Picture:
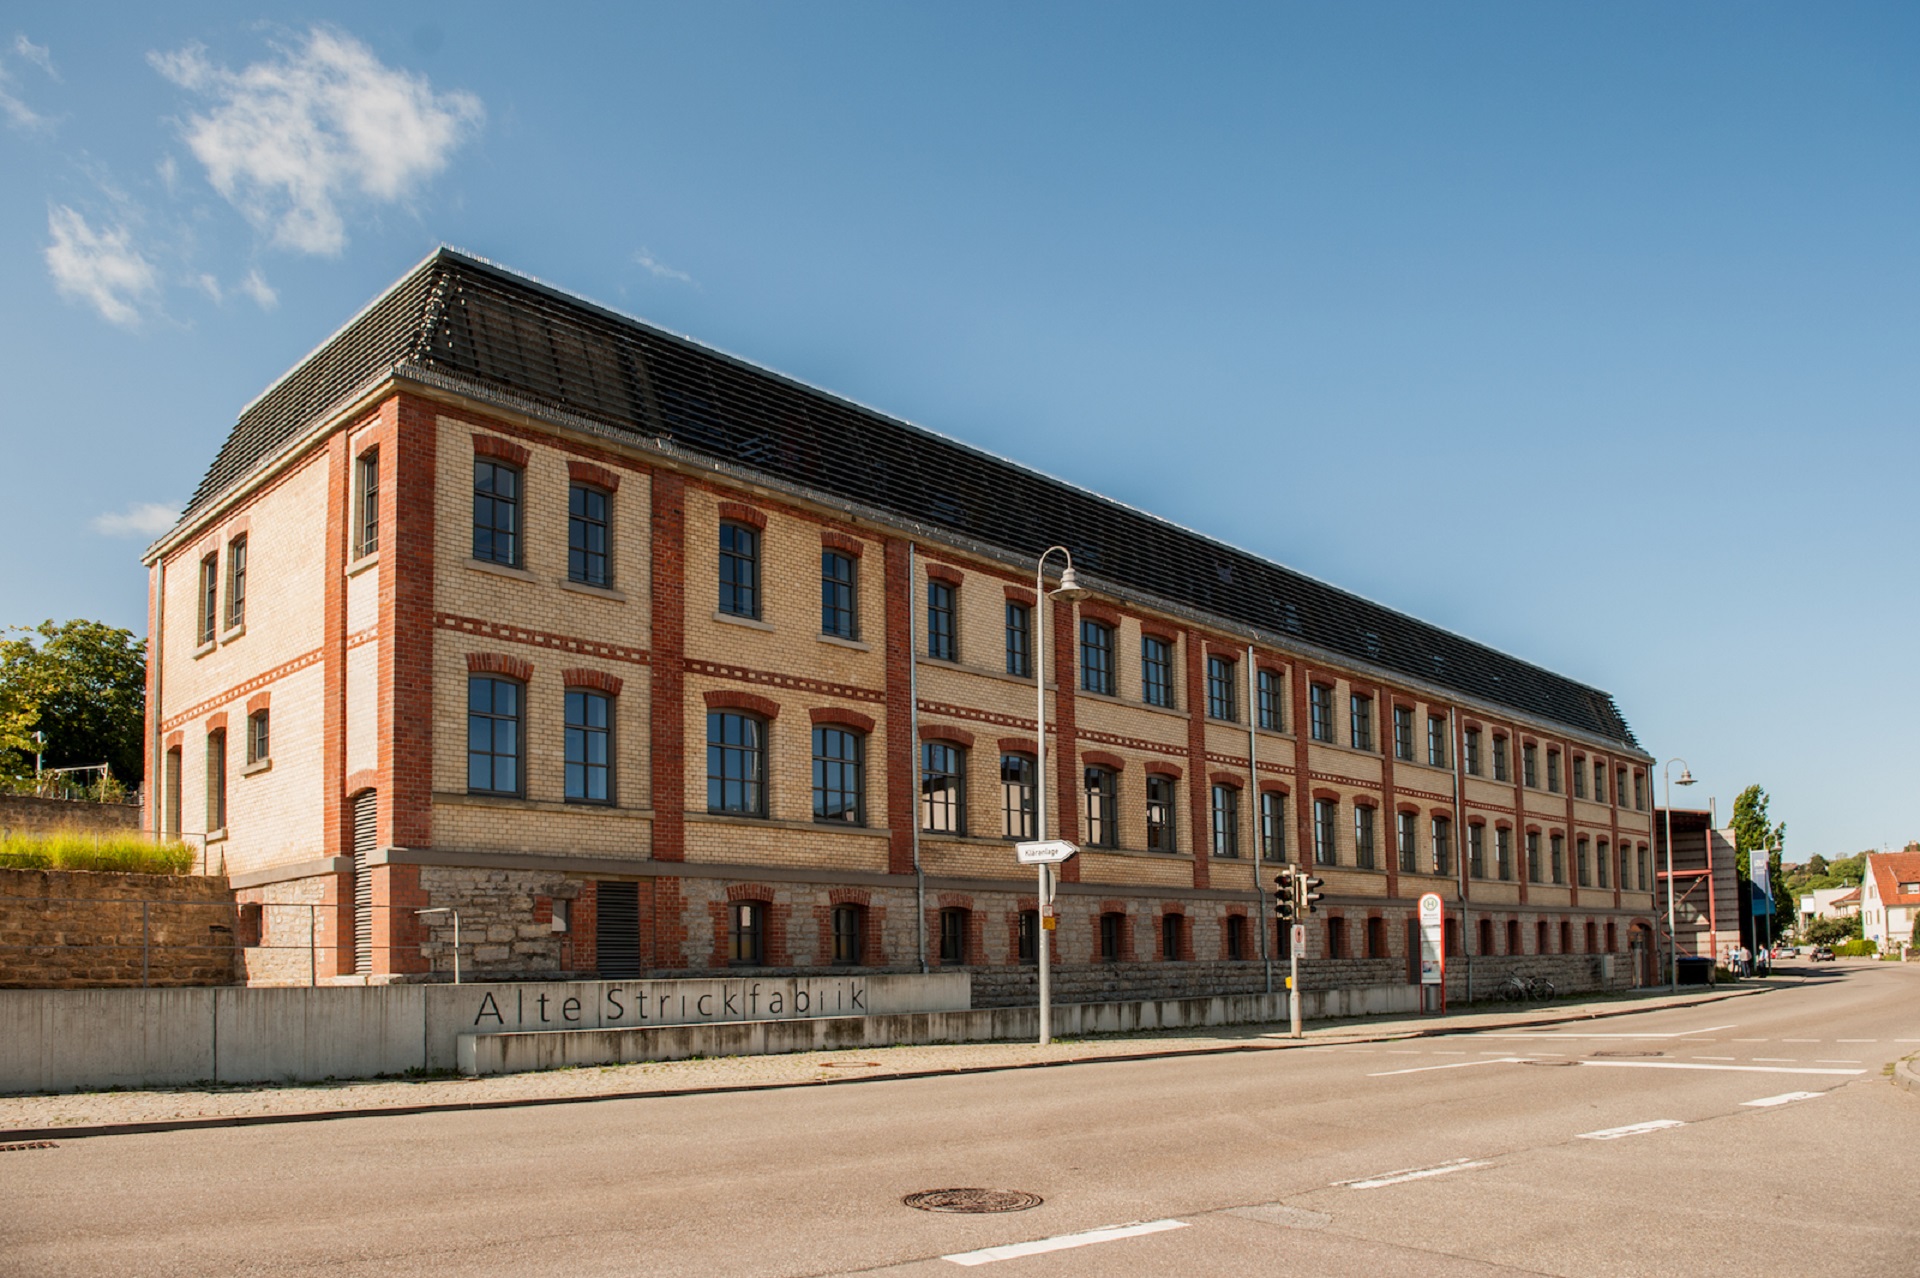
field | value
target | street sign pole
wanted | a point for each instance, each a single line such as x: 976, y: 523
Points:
x: 1040, y: 940
x: 1293, y: 982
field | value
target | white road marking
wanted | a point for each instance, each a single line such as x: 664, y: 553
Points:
x: 1402, y: 1051
x: 1716, y: 1058
x: 1751, y: 1040
x: 1684, y: 1034
x: 1779, y: 1060
x: 1413, y: 1173
x: 1800, y: 1040
x: 1907, y: 1040
x: 1784, y: 1098
x: 1422, y: 1069
x: 1856, y: 1040
x: 1449, y: 1053
x: 1835, y: 1061
x: 1738, y: 1069
x: 1637, y: 1129
x: 1064, y: 1242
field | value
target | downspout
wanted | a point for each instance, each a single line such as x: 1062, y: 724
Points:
x: 1457, y: 838
x: 1253, y: 789
x: 913, y: 754
x: 156, y: 768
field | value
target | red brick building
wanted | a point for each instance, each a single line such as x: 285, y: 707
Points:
x: 645, y: 659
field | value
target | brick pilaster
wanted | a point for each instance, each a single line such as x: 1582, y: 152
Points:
x: 669, y: 645
x: 901, y: 751
x: 406, y: 629
x: 1199, y: 796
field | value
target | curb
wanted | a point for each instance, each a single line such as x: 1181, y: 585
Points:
x: 1903, y: 1075
x: 1332, y: 1039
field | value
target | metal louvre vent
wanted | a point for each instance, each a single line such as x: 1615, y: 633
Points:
x: 364, y: 809
x: 617, y: 930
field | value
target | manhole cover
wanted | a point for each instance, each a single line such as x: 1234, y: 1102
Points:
x: 30, y: 1144
x: 972, y: 1201
x: 1625, y: 1053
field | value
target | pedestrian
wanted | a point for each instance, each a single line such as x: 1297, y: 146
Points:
x: 1746, y: 961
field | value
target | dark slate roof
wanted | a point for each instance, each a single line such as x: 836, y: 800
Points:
x: 471, y: 322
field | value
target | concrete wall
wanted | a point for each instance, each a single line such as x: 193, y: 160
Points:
x: 24, y: 813
x: 72, y: 929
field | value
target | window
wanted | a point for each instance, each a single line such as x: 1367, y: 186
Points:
x: 1540, y: 935
x: 367, y: 525
x: 1096, y: 657
x: 1442, y: 845
x: 1593, y: 938
x: 1336, y: 937
x: 587, y: 751
x: 1320, y: 711
x: 1530, y: 765
x: 1513, y: 936
x: 496, y: 513
x: 1016, y: 796
x: 943, y: 790
x: 587, y: 547
x: 1620, y: 787
x: 1236, y: 937
x: 953, y: 936
x: 1436, y: 741
x: 849, y: 935
x: 837, y: 616
x: 171, y: 821
x: 1566, y: 937
x: 1603, y: 858
x: 216, y: 780
x: 1171, y: 928
x: 1645, y: 879
x: 1220, y: 700
x: 1159, y: 813
x: 736, y: 763
x: 1472, y: 751
x: 1501, y: 770
x: 493, y: 735
x: 1273, y: 701
x: 1503, y: 853
x: 1640, y: 791
x: 1326, y: 848
x: 1273, y: 826
x: 1403, y: 733
x: 739, y: 570
x: 1112, y: 936
x: 1103, y: 828
x: 1027, y: 940
x: 1599, y: 781
x: 943, y: 641
x: 1363, y: 825
x: 1477, y: 851
x: 1579, y: 777
x: 1376, y: 938
x: 1360, y: 716
x: 1226, y: 821
x: 209, y: 597
x: 1409, y: 831
x: 1613, y: 940
x: 1582, y: 862
x: 1557, y: 857
x: 839, y: 776
x: 1553, y: 771
x: 747, y: 940
x: 257, y: 739
x: 1019, y: 639
x: 1486, y: 936
x: 237, y: 582
x: 1156, y: 671
x: 1533, y: 856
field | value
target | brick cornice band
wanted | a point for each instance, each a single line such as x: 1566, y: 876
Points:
x: 739, y: 513
x: 941, y: 732
x: 731, y: 700
x: 501, y: 450
x: 501, y: 664
x: 597, y: 679
x: 1161, y: 768
x: 942, y: 572
x: 1103, y: 759
x: 852, y: 547
x: 841, y: 718
x: 581, y: 472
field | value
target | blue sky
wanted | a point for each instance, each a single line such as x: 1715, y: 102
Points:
x: 1587, y: 331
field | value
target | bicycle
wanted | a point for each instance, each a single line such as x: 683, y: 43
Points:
x: 1525, y: 989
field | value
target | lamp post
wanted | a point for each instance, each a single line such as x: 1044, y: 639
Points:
x: 1673, y: 936
x: 1068, y: 590
x: 447, y: 909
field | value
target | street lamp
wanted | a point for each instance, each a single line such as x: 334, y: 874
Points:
x: 447, y: 909
x: 1069, y: 590
x: 1673, y: 936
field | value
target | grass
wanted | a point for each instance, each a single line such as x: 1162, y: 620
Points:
x: 123, y: 853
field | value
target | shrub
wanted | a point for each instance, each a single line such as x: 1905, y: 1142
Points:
x: 124, y: 853
x: 1856, y: 949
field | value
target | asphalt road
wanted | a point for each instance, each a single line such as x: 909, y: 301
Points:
x: 1630, y: 1145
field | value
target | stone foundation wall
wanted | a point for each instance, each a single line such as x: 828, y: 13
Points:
x: 82, y: 929
x: 20, y: 812
x: 283, y: 934
x: 1570, y: 973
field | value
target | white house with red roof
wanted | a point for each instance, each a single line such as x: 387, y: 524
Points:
x: 1890, y: 898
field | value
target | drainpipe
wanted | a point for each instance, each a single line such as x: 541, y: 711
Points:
x: 1458, y: 839
x: 1253, y: 789
x: 913, y: 736
x: 156, y: 766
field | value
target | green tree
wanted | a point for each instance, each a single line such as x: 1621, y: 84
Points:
x: 1754, y: 831
x: 1815, y: 867
x: 1833, y: 931
x: 81, y: 683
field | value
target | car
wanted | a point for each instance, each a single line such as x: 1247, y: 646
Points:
x: 1821, y: 954
x: 1786, y: 951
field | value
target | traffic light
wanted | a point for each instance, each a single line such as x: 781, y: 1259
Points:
x: 1308, y: 899
x: 1283, y: 903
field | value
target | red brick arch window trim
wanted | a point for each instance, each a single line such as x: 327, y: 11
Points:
x: 1161, y: 768
x: 942, y: 572
x: 849, y: 546
x: 1321, y: 792
x: 1532, y: 828
x: 1100, y: 613
x: 941, y: 732
x: 1232, y: 652
x: 750, y: 892
x: 841, y: 718
x: 499, y: 663
x: 581, y: 472
x: 1226, y: 779
x: 849, y: 896
x: 217, y: 722
x: 1019, y: 745
x: 598, y: 680
x: 739, y: 513
x: 1502, y: 824
x: 1102, y: 759
x: 1154, y: 630
x: 258, y: 702
x: 1019, y: 595
x: 1275, y: 787
x: 1441, y: 812
x: 730, y: 700
x: 501, y: 450
x: 175, y: 740
x: 1408, y: 807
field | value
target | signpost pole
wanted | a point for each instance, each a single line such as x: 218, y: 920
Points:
x: 1040, y: 940
x: 1293, y: 980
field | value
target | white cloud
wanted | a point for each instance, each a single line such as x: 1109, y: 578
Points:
x: 210, y: 286
x: 139, y: 519
x: 38, y: 54
x: 290, y: 139
x: 660, y: 270
x: 12, y: 105
x: 101, y: 268
x: 256, y: 287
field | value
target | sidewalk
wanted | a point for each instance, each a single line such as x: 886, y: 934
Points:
x: 78, y: 1114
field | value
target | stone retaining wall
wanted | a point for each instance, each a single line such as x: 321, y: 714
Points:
x: 1128, y: 982
x: 21, y: 812
x: 73, y: 929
